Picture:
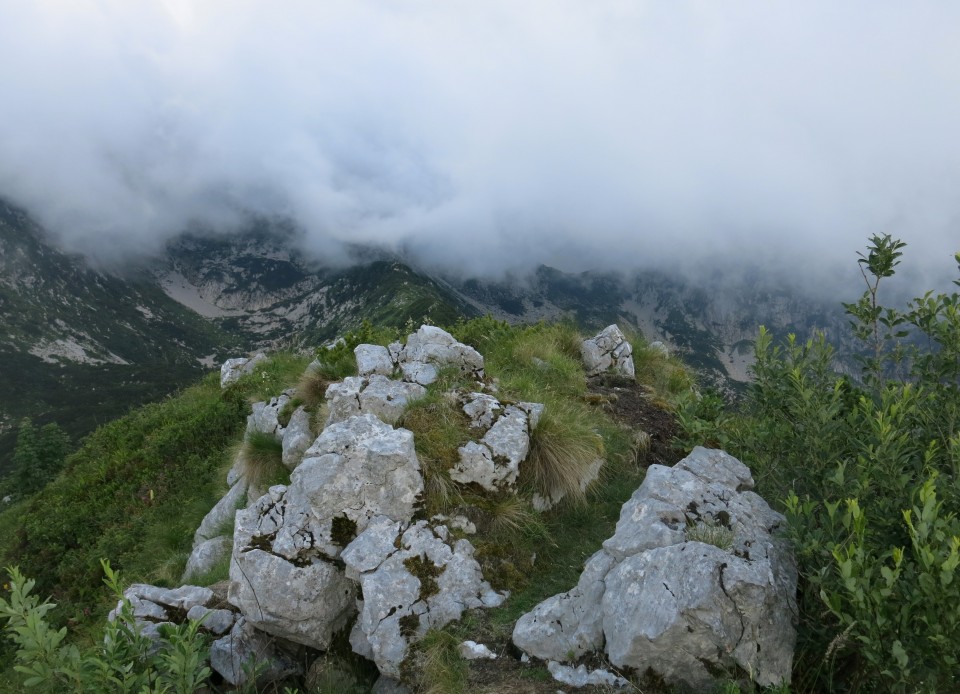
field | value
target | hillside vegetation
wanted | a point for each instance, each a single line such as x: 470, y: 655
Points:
x: 866, y: 471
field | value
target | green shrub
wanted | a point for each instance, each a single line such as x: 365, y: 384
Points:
x: 868, y: 476
x: 122, y: 659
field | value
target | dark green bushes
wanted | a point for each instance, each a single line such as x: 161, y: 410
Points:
x: 868, y: 476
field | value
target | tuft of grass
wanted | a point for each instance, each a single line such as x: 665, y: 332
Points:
x: 665, y: 375
x: 563, y: 449
x: 710, y: 533
x: 437, y: 664
x: 262, y: 461
x: 439, y: 428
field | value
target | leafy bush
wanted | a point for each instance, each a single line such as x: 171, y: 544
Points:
x: 868, y: 476
x: 123, y: 660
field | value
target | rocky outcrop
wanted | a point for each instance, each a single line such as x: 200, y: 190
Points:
x: 205, y: 556
x: 245, y: 652
x: 283, y: 576
x: 376, y: 394
x: 694, y: 579
x: 233, y: 369
x: 608, y: 351
x: 413, y: 578
x: 430, y: 349
x: 265, y: 418
x: 297, y: 437
x: 493, y: 462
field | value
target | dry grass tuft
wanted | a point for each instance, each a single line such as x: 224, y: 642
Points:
x: 563, y: 449
x: 261, y: 458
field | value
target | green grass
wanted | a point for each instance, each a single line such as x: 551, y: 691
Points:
x: 261, y: 461
x: 436, y: 664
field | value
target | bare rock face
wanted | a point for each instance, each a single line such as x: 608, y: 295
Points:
x: 493, y: 462
x: 245, y: 650
x: 297, y: 437
x: 207, y: 555
x: 284, y: 576
x: 606, y: 351
x: 413, y: 578
x: 265, y: 417
x: 430, y: 349
x: 373, y: 359
x: 375, y: 394
x: 659, y: 595
x: 233, y: 369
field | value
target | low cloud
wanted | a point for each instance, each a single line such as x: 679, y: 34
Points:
x: 490, y: 137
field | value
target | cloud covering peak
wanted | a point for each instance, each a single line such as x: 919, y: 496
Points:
x: 491, y: 136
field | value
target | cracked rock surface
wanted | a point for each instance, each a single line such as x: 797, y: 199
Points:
x: 606, y: 351
x: 413, y: 578
x: 654, y: 597
x: 374, y: 394
x: 493, y: 462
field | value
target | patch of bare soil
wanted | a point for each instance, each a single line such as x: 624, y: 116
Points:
x: 633, y: 405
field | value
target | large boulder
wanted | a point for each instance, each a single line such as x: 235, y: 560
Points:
x: 430, y: 349
x: 608, y: 351
x: 265, y: 416
x: 246, y: 652
x: 413, y: 578
x: 376, y: 394
x: 305, y: 601
x: 694, y: 580
x: 285, y: 575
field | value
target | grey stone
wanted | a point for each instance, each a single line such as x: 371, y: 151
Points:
x: 376, y: 395
x: 207, y: 555
x: 373, y: 359
x: 182, y: 598
x: 297, y: 438
x: 216, y: 621
x: 676, y: 605
x: 430, y: 349
x: 568, y: 624
x: 265, y: 416
x: 482, y: 409
x: 233, y: 369
x: 494, y: 462
x: 221, y: 515
x: 246, y: 651
x: 608, y: 350
x: 582, y: 677
x: 471, y: 650
x: 392, y: 593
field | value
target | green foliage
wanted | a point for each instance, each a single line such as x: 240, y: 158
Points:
x: 869, y: 476
x: 135, y: 491
x: 122, y: 659
x: 437, y: 665
x: 261, y: 457
x: 337, y: 361
x: 38, y: 457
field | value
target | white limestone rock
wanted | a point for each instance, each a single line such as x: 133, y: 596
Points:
x: 471, y: 650
x: 205, y: 556
x: 430, y: 349
x: 245, y: 650
x: 377, y: 395
x: 216, y: 621
x: 482, y: 409
x: 220, y: 517
x: 297, y: 437
x: 373, y: 359
x: 233, y: 369
x: 582, y: 677
x: 494, y: 461
x: 606, y: 351
x: 652, y: 598
x: 413, y: 578
x: 265, y: 416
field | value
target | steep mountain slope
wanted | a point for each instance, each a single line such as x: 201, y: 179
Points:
x: 712, y: 324
x: 258, y: 285
x: 80, y: 346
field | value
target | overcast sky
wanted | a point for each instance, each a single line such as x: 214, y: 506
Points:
x: 495, y: 134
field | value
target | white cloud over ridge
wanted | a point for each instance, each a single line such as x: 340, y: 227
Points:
x: 494, y: 135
